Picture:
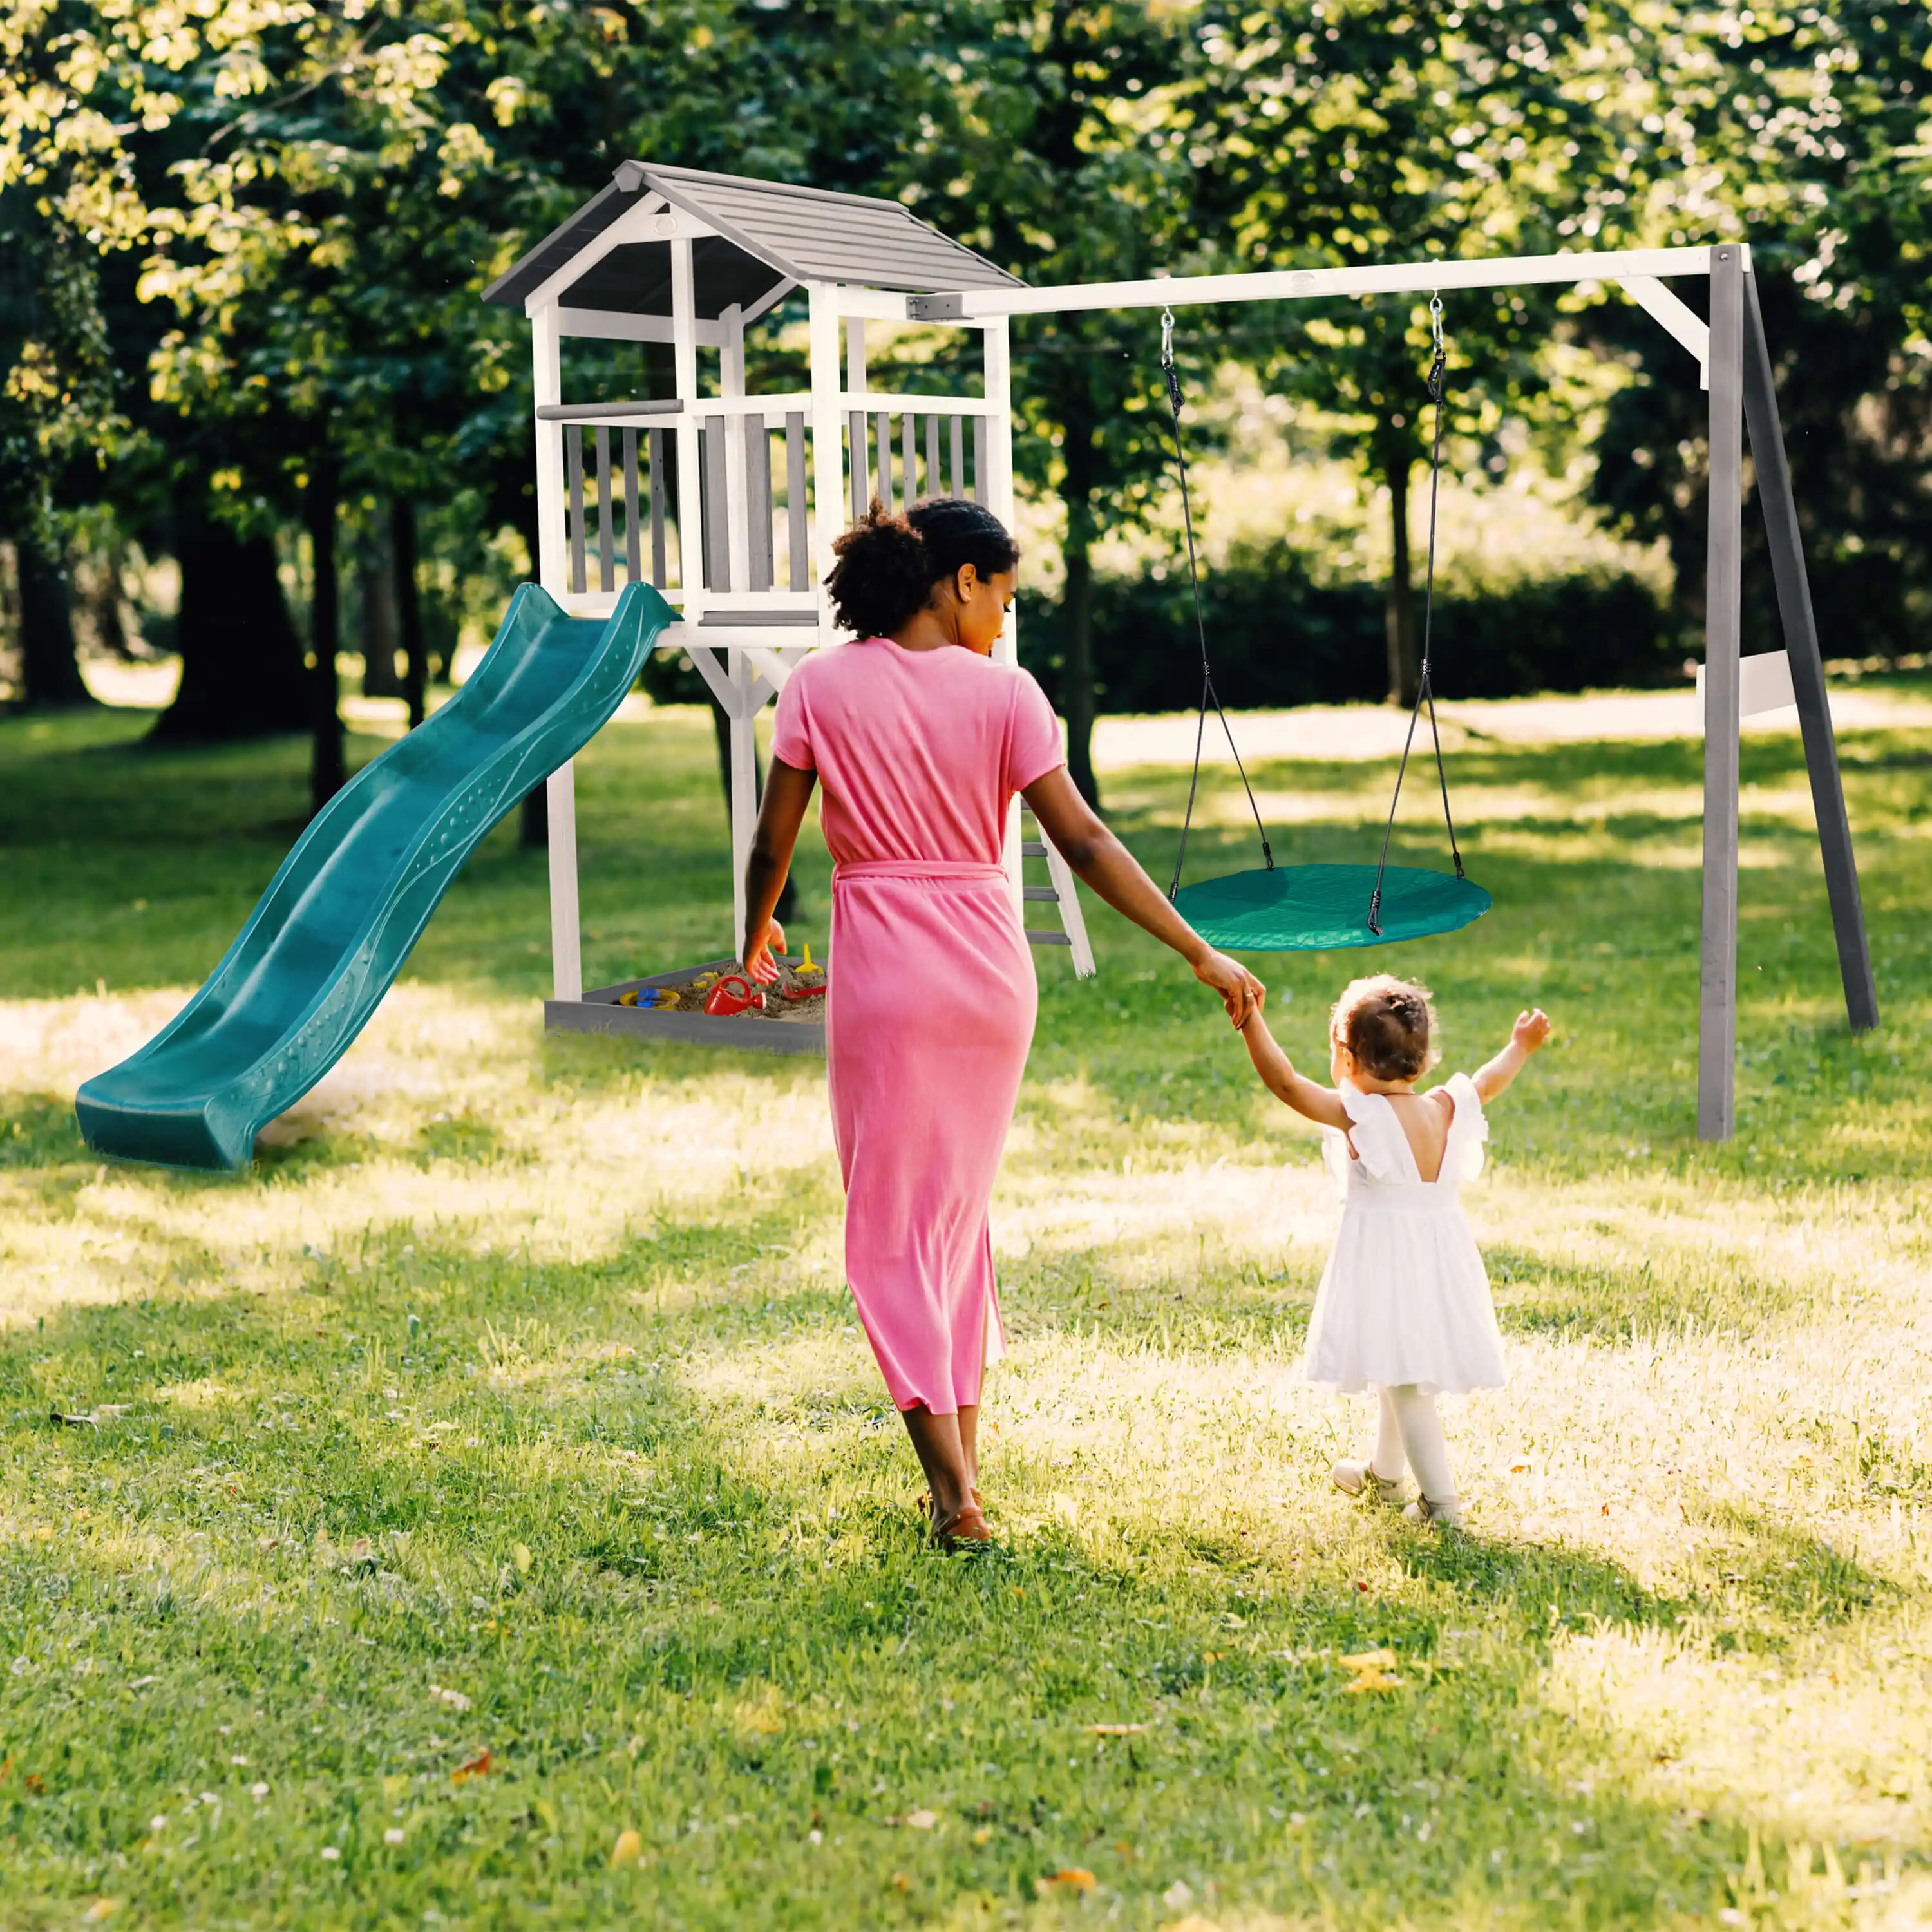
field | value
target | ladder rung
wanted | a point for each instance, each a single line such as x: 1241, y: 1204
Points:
x: 1040, y: 936
x: 1032, y: 848
x: 1039, y: 893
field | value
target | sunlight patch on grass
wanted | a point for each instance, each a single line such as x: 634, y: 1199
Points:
x: 1830, y: 1741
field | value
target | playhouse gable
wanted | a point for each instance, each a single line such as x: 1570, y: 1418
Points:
x: 767, y: 237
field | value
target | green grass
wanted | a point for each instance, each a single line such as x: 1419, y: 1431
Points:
x: 514, y: 1403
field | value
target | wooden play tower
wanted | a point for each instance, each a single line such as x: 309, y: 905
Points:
x: 727, y: 501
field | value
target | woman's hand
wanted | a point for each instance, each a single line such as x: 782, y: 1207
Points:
x: 758, y: 962
x: 1241, y: 993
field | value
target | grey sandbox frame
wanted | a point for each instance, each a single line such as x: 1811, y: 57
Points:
x: 598, y: 1012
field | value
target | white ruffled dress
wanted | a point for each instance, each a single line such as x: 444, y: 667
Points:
x: 1404, y: 1297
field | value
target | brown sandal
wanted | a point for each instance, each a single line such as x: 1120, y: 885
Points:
x: 965, y: 1525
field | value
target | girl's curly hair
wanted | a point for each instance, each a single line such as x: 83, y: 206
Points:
x: 887, y: 565
x: 1388, y: 1025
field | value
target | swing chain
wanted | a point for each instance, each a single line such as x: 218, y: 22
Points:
x: 1209, y: 695
x: 1169, y: 374
x: 1425, y: 692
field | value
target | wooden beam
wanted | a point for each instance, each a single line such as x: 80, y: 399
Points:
x: 1717, y: 954
x: 1807, y: 664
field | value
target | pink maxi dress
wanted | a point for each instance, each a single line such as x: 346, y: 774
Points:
x: 932, y: 995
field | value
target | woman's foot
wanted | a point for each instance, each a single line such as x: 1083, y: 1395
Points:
x: 1352, y: 1478
x: 966, y: 1525
x: 1447, y: 1513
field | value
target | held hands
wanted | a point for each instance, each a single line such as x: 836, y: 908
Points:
x: 1531, y: 1030
x: 758, y: 953
x: 1241, y: 993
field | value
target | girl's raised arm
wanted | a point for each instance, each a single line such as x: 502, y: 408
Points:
x: 1321, y: 1105
x: 1531, y: 1030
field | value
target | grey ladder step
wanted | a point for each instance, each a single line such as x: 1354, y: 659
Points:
x: 1032, y: 848
x: 1039, y: 893
x: 1040, y: 936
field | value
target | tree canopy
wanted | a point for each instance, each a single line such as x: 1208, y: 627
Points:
x: 244, y: 240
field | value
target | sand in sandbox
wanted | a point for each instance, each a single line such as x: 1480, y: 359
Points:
x: 691, y: 997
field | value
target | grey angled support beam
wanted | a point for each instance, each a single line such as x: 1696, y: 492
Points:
x: 1807, y: 667
x: 1717, y: 951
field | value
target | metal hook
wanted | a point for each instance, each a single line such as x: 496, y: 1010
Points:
x: 1436, y: 317
x: 1167, y: 338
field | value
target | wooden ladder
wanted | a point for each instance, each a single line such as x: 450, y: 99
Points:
x: 1072, y: 930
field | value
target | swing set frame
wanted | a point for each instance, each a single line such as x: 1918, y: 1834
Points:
x: 1735, y: 361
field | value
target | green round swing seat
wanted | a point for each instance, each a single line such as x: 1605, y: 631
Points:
x: 1322, y: 908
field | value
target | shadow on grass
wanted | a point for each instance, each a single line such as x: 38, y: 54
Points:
x: 772, y: 1653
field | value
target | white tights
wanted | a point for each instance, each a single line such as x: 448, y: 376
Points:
x: 1410, y: 1433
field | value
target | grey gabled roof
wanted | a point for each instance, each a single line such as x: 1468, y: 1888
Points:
x: 769, y: 233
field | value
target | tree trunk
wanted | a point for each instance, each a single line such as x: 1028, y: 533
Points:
x: 50, y: 679
x: 326, y: 766
x: 1076, y: 607
x: 721, y: 725
x: 382, y: 622
x: 241, y: 660
x: 409, y: 606
x: 1399, y: 607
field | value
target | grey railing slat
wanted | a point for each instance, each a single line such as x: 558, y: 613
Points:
x: 886, y: 460
x: 908, y: 431
x: 933, y: 486
x: 717, y: 554
x: 573, y: 466
x: 978, y: 459
x: 662, y: 406
x: 758, y: 503
x: 1039, y: 893
x: 1040, y: 936
x: 660, y: 571
x: 860, y: 489
x: 1033, y: 848
x: 607, y: 566
x: 633, y: 562
x: 956, y: 487
x: 801, y: 563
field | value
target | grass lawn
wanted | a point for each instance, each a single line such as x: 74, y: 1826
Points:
x: 494, y: 1517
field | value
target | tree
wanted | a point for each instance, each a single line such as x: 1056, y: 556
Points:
x: 1430, y: 131
x: 1800, y: 130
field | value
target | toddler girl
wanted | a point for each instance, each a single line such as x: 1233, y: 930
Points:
x: 1404, y: 1303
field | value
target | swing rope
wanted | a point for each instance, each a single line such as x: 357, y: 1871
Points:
x: 1424, y: 695
x: 1208, y: 694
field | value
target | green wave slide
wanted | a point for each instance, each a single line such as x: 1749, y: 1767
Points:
x: 339, y: 919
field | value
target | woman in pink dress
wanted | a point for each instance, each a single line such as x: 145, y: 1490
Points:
x: 921, y: 741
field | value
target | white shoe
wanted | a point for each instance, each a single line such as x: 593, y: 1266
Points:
x: 1448, y: 1512
x: 1352, y: 1478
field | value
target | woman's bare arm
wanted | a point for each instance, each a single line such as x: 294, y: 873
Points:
x: 1103, y: 862
x: 787, y: 792
x: 1321, y: 1105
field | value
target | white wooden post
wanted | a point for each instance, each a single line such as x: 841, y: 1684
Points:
x: 737, y: 510
x: 999, y: 498
x: 828, y: 468
x: 551, y: 565
x: 749, y: 702
x: 690, y: 500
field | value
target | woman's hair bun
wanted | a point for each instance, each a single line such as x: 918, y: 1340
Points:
x: 887, y: 564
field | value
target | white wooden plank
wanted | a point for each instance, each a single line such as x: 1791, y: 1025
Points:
x: 1299, y: 284
x: 1764, y: 684
x: 566, y: 942
x: 684, y: 380
x: 1678, y: 318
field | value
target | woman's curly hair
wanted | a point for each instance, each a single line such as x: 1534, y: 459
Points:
x: 888, y: 565
x: 1388, y: 1025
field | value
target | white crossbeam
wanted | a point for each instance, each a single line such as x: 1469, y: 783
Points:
x: 1305, y: 284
